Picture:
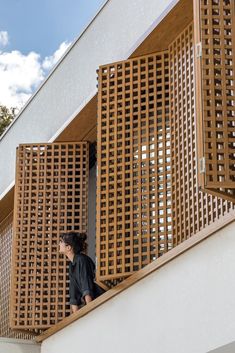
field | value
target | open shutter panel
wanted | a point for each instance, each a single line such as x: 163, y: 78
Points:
x: 50, y: 198
x: 133, y: 186
x: 215, y: 77
x: 192, y: 210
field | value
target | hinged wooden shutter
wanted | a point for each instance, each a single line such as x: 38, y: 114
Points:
x: 215, y: 78
x: 192, y: 210
x: 50, y: 198
x: 133, y: 150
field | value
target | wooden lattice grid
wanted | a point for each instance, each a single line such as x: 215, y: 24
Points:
x: 133, y: 148
x: 6, y: 231
x: 50, y: 197
x: 192, y: 210
x: 215, y: 74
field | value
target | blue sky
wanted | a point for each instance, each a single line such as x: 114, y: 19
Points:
x: 33, y: 35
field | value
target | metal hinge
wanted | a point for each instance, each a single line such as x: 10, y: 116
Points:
x: 202, y: 165
x: 199, y: 50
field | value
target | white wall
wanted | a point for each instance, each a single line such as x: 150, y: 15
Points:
x: 10, y: 345
x: 187, y: 306
x: 112, y: 36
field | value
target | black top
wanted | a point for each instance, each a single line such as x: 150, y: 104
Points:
x: 81, y: 276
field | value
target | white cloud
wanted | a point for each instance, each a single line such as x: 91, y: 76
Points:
x: 50, y: 61
x: 4, y: 40
x: 20, y: 75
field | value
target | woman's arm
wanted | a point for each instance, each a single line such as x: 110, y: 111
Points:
x: 84, y: 274
x: 72, y: 294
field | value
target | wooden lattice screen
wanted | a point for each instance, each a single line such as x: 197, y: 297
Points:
x: 215, y: 75
x: 6, y: 230
x: 192, y: 210
x: 133, y: 149
x: 50, y: 197
x: 148, y: 199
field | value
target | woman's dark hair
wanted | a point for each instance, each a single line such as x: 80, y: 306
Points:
x: 76, y: 240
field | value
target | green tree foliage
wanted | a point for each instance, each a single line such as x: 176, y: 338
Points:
x: 6, y: 117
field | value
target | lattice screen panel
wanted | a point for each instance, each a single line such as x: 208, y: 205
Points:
x: 133, y: 186
x: 50, y: 198
x: 192, y: 210
x: 6, y: 230
x: 215, y: 29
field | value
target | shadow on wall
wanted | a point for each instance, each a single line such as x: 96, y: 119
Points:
x: 10, y: 345
x: 228, y: 348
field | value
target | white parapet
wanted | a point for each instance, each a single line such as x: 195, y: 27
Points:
x: 112, y: 35
x: 186, y: 306
x: 11, y: 345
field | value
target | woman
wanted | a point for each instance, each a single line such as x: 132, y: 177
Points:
x: 82, y: 288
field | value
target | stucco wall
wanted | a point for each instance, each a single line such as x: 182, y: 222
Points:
x: 111, y: 36
x: 187, y: 306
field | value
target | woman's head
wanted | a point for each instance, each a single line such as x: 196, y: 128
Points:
x: 73, y: 242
